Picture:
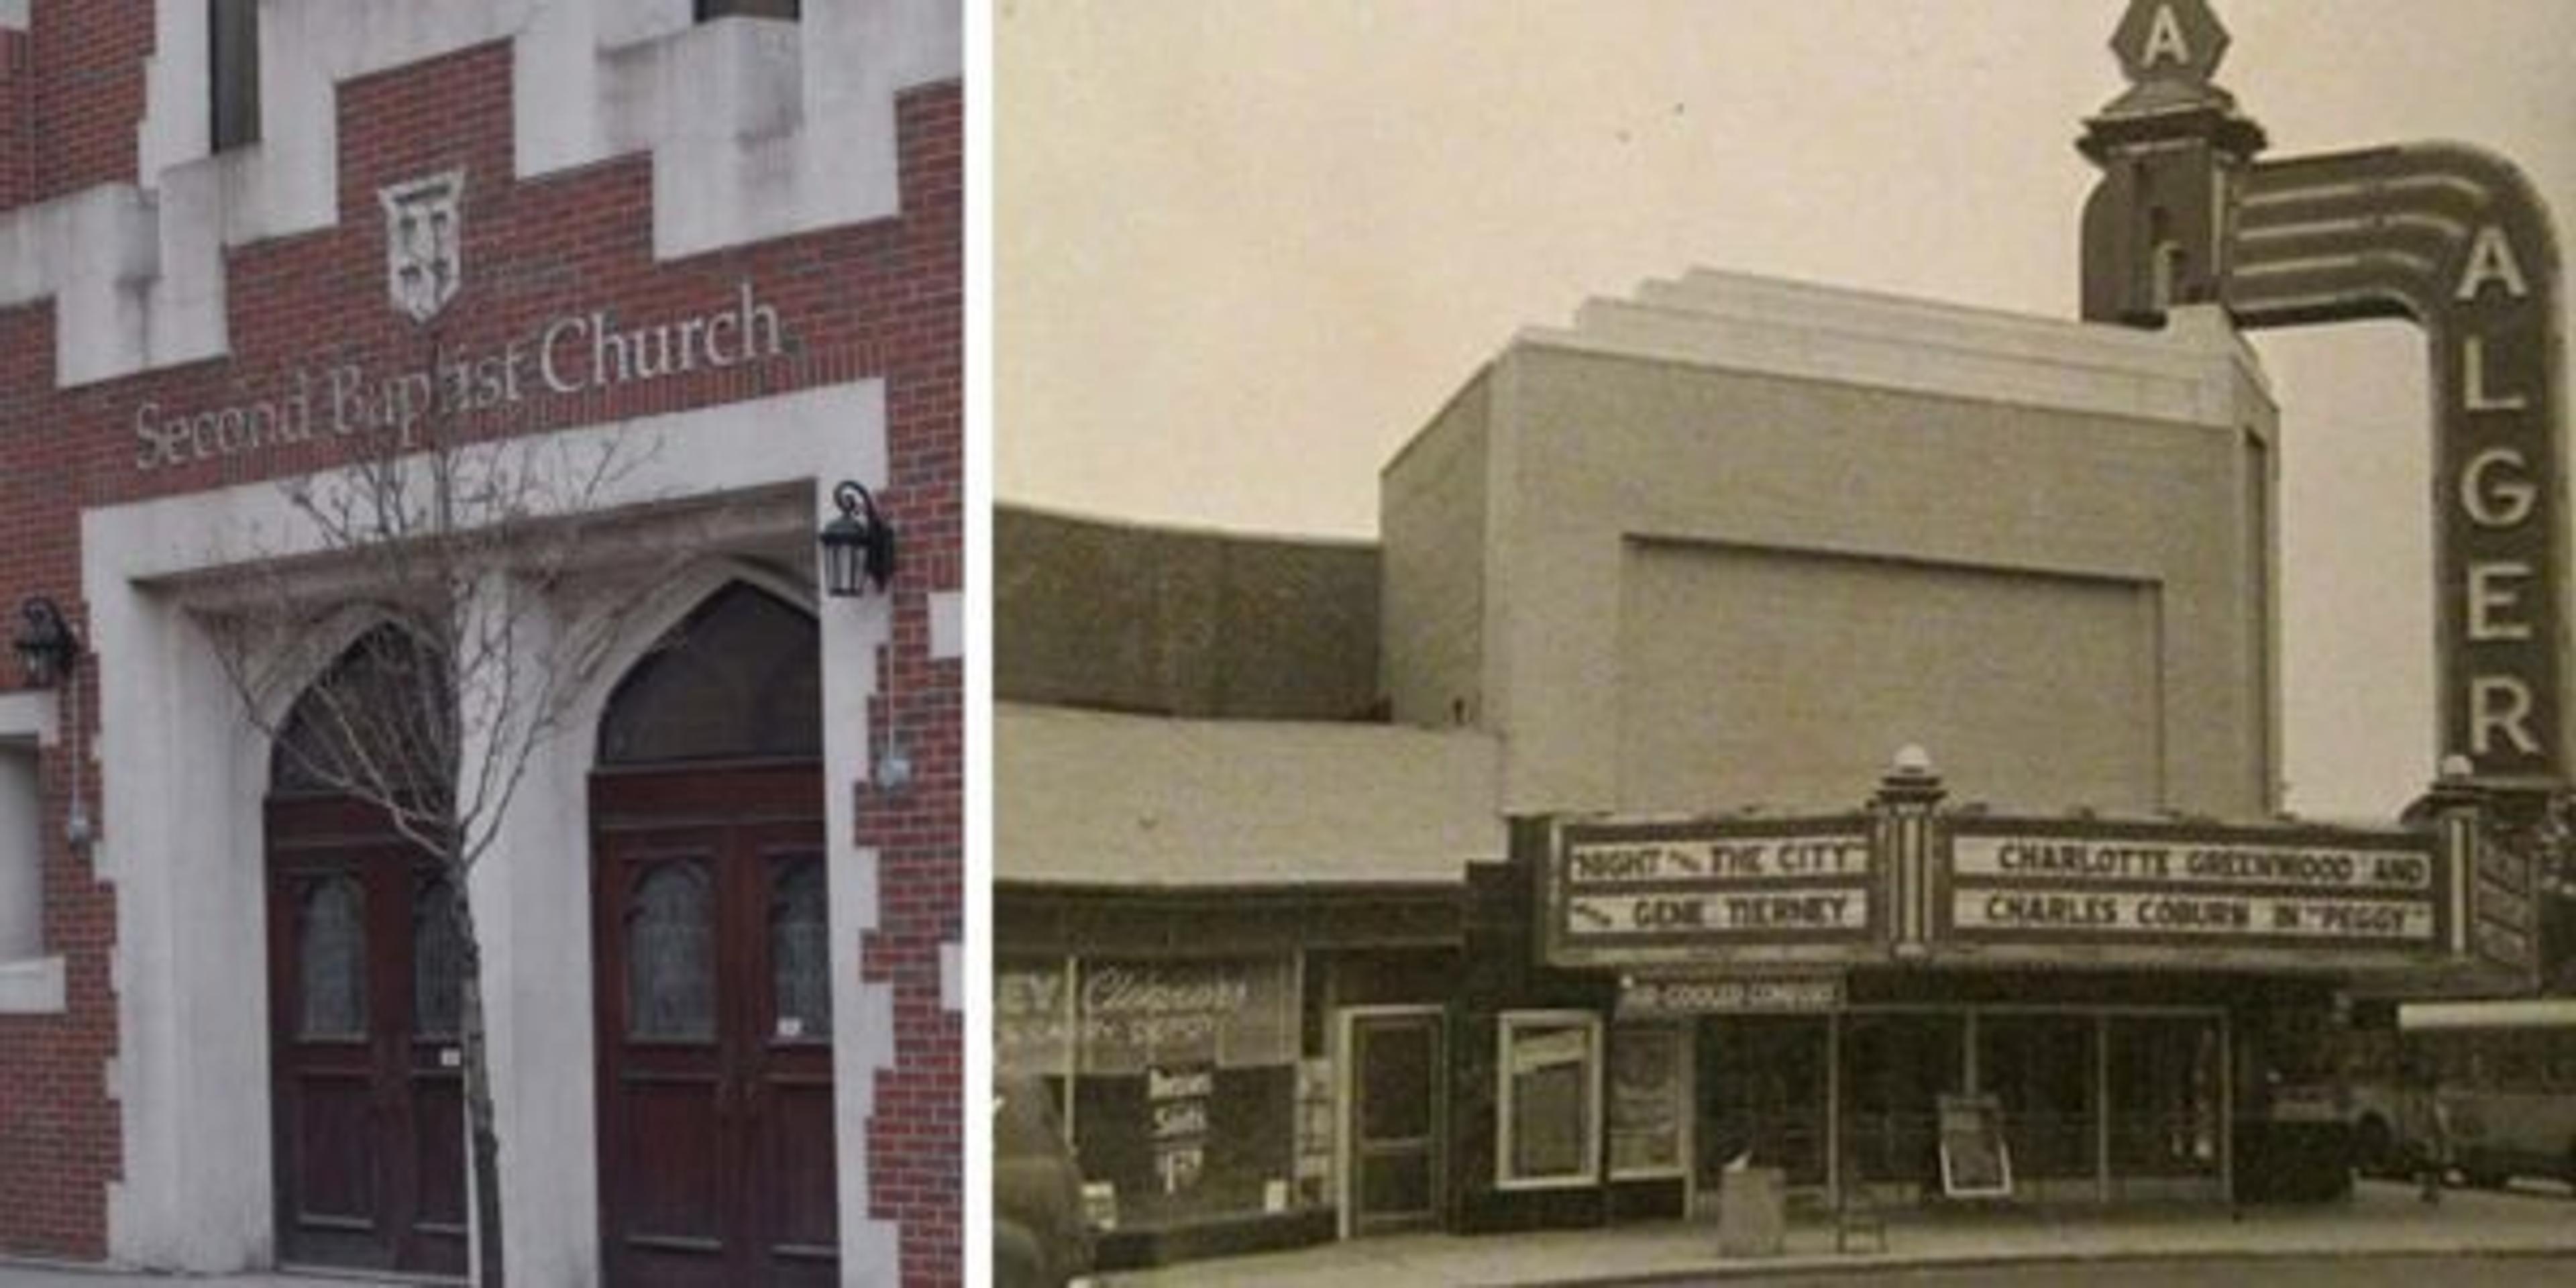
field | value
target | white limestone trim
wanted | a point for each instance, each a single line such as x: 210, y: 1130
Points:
x: 2196, y: 371
x: 758, y: 129
x: 183, y: 777
x: 28, y: 715
x: 33, y: 986
x: 29, y: 985
x: 947, y: 625
x: 13, y: 15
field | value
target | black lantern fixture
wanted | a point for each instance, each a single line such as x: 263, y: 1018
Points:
x: 858, y: 546
x: 47, y: 648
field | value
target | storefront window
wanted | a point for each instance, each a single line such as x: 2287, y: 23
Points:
x: 1182, y: 1076
x: 1033, y: 1021
x: 2040, y: 1070
x: 1550, y: 1098
x: 1897, y: 1067
x: 1762, y: 1091
x: 2165, y: 1083
x: 1647, y: 1100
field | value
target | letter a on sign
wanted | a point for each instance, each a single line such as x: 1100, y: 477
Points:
x: 2164, y: 39
x: 2491, y: 260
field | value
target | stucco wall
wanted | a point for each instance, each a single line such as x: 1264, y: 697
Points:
x: 1432, y: 513
x: 1086, y: 797
x: 1966, y: 469
x: 1787, y: 677
x: 1128, y: 618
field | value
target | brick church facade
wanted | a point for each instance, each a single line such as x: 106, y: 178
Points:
x: 239, y: 243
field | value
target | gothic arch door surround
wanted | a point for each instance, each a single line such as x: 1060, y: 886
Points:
x: 367, y: 1095
x: 710, y: 944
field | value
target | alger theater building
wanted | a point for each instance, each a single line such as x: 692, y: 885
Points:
x: 1796, y: 729
x: 479, y: 531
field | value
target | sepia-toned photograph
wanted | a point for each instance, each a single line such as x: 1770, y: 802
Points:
x: 1671, y: 643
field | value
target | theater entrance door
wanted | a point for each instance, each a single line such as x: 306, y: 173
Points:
x: 1764, y: 1091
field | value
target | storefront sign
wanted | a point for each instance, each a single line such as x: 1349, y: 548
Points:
x: 1032, y: 1020
x: 2504, y: 919
x: 1711, y: 884
x: 1133, y: 1015
x: 1975, y: 1163
x: 1731, y: 995
x: 2066, y: 882
x: 2345, y: 236
x: 1176, y: 1098
x: 572, y: 354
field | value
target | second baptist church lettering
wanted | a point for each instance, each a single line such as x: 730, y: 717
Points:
x: 572, y: 354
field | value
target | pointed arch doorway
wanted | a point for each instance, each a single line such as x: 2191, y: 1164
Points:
x: 367, y: 1092
x: 711, y: 976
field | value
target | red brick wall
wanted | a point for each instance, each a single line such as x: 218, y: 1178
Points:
x: 89, y: 98
x: 58, y: 1131
x: 915, y: 1140
x: 876, y: 300
x: 17, y: 131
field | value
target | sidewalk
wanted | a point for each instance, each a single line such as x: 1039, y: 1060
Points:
x: 2381, y: 1219
x: 25, y: 1276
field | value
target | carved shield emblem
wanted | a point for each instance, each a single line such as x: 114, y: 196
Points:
x: 424, y: 239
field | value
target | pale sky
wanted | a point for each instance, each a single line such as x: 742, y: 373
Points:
x: 1244, y: 248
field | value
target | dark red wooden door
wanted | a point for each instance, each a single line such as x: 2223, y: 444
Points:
x: 709, y: 913
x: 368, y: 1127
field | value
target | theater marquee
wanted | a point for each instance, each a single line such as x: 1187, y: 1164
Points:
x: 1682, y: 889
x: 2311, y: 890
x: 1700, y: 904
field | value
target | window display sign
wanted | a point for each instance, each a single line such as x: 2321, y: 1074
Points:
x: 1236, y: 1013
x: 1176, y: 1099
x: 1974, y: 1161
x: 1776, y: 994
x: 1646, y: 1099
x: 1183, y: 1075
x: 1638, y: 891
x: 2313, y: 888
x: 1550, y: 1103
x: 1032, y: 1020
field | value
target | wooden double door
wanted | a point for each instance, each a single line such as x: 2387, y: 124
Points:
x: 710, y: 909
x: 368, y: 1090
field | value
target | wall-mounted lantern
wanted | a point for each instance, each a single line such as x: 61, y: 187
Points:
x: 50, y: 652
x: 858, y: 546
x: 47, y: 648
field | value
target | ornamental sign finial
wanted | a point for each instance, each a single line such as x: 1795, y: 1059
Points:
x: 2169, y: 40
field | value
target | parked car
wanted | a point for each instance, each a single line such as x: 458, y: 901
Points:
x: 1039, y: 1237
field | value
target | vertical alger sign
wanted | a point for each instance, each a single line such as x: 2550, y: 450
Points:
x: 2448, y: 236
